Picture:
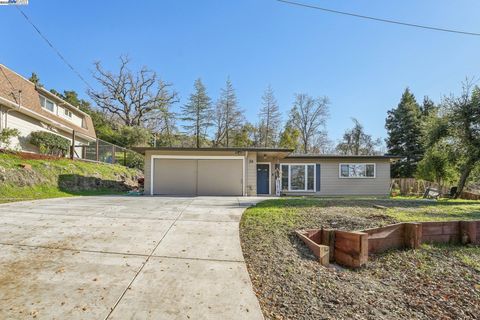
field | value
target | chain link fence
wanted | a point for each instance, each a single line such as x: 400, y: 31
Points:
x: 103, y: 151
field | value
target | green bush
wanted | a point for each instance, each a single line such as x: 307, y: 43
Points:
x: 135, y: 160
x: 6, y: 136
x: 50, y: 143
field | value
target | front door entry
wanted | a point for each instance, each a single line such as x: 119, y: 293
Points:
x: 263, y: 181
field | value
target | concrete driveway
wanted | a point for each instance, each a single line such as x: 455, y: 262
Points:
x: 124, y: 258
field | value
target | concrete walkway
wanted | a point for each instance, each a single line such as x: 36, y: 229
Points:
x: 125, y: 258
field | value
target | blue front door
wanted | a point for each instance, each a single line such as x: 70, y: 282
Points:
x: 263, y: 174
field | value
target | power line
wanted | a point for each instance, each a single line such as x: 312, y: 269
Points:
x: 59, y: 54
x: 293, y: 3
x: 10, y: 82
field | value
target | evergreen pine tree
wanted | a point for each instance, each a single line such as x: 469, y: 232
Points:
x: 229, y: 116
x: 290, y: 138
x: 404, y: 127
x: 35, y: 79
x: 197, y: 113
x: 269, y: 119
x: 428, y: 107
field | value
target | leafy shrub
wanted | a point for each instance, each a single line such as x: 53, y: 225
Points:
x: 50, y: 143
x: 6, y: 136
x: 134, y: 160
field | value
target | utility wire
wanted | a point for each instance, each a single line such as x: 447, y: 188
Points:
x: 298, y: 4
x: 59, y: 54
x: 11, y: 84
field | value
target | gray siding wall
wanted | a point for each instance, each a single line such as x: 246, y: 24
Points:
x: 251, y: 174
x: 332, y: 185
x: 147, y: 170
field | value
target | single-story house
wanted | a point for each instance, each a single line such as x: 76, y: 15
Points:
x: 259, y: 171
x: 28, y: 108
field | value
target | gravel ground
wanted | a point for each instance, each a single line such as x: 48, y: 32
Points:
x: 435, y: 282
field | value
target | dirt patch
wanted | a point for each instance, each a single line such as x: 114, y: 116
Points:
x: 431, y: 283
x: 20, y: 271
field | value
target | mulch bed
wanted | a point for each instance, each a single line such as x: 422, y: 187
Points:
x: 431, y: 283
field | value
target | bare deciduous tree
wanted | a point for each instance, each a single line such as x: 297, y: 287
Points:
x: 309, y: 116
x: 132, y: 98
x: 162, y: 123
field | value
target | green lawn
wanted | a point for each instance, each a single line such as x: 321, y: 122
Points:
x: 437, y: 281
x: 285, y: 211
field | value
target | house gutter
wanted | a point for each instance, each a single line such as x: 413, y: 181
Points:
x: 17, y: 107
x: 63, y: 103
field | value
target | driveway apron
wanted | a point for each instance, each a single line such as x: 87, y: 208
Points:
x: 125, y: 258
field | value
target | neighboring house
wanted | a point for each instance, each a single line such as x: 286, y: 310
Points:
x: 257, y: 171
x: 28, y: 108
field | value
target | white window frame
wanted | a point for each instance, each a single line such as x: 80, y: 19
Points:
x: 306, y: 176
x: 269, y: 176
x: 156, y: 156
x: 358, y: 163
x: 67, y: 113
x: 55, y: 107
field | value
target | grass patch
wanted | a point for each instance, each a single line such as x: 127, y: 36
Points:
x: 470, y: 256
x: 53, y: 178
x: 437, y: 211
x: 437, y: 281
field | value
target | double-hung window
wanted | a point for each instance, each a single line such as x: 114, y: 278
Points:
x: 298, y: 177
x: 357, y: 170
x: 47, y: 104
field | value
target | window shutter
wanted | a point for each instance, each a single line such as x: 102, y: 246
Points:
x: 317, y: 178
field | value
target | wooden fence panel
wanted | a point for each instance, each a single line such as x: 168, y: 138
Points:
x: 415, y: 187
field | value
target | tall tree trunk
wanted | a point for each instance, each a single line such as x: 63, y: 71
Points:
x: 197, y: 133
x: 467, y: 168
x: 227, y: 119
x: 226, y: 136
x: 268, y: 123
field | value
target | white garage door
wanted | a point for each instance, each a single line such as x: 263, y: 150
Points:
x: 205, y: 177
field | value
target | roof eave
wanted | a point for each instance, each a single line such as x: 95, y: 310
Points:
x: 213, y: 149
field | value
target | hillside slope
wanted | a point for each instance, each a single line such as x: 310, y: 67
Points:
x: 23, y: 178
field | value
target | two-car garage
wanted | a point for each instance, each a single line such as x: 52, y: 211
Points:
x: 202, y: 176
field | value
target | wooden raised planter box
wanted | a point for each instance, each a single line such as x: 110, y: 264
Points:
x: 351, y: 248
